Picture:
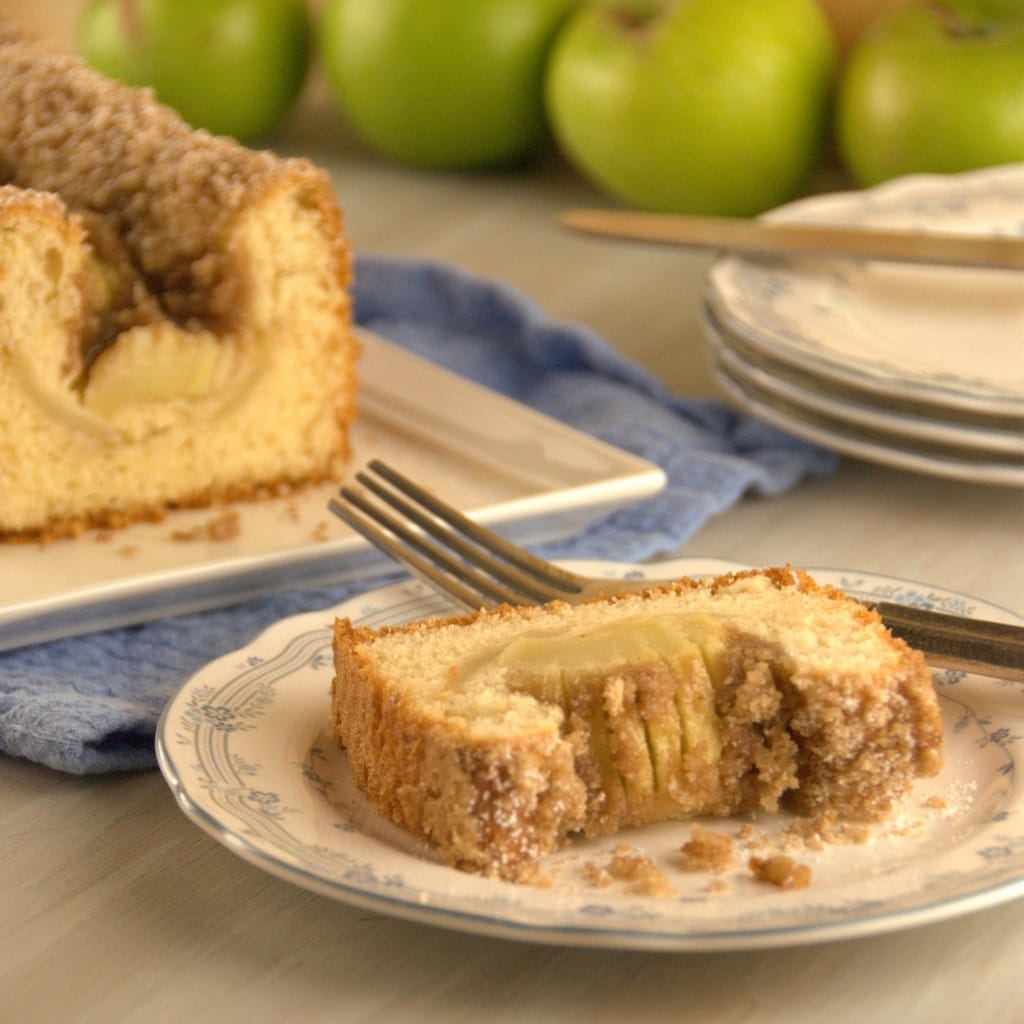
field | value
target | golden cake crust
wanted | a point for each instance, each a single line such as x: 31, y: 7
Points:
x: 490, y: 806
x: 169, y: 192
x: 171, y: 248
x: 792, y: 735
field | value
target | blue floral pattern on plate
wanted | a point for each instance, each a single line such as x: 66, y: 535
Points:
x: 943, y: 336
x: 246, y: 747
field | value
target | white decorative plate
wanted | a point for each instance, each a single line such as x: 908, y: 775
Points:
x: 245, y: 748
x: 504, y: 462
x: 946, y: 336
x: 886, y: 436
x: 988, y: 436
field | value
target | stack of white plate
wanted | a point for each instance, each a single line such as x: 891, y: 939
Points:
x: 916, y: 367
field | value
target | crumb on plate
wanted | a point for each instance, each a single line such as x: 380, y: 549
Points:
x: 644, y: 877
x: 781, y: 871
x: 225, y: 526
x: 707, y: 850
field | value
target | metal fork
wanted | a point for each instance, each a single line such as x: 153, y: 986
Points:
x: 480, y: 569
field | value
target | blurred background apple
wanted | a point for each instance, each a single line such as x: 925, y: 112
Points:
x: 935, y: 86
x: 233, y: 67
x: 441, y: 83
x: 923, y: 86
x: 706, y: 106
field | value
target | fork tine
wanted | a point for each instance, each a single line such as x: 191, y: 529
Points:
x: 511, y: 584
x: 450, y: 579
x: 555, y: 581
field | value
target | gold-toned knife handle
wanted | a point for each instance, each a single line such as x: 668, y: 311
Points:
x: 766, y: 237
x: 954, y: 641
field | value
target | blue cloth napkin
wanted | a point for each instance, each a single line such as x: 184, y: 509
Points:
x: 91, y: 704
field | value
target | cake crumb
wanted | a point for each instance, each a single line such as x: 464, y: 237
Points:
x: 128, y: 550
x: 540, y: 878
x: 595, y: 875
x: 781, y: 871
x: 645, y: 878
x: 937, y: 802
x: 822, y: 830
x: 808, y: 833
x: 226, y: 526
x: 320, y: 533
x: 906, y: 828
x: 707, y: 851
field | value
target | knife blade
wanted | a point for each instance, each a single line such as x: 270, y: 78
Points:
x: 728, y: 234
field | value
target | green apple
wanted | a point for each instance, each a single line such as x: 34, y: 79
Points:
x: 230, y: 66
x: 934, y: 87
x: 705, y: 106
x: 441, y: 83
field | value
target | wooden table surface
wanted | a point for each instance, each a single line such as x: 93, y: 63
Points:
x: 116, y: 908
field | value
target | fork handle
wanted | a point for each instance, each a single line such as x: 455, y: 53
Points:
x: 951, y: 641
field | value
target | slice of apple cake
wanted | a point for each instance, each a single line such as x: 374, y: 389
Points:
x: 498, y: 735
x: 174, y: 318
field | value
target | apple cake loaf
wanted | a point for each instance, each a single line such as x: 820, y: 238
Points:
x: 497, y: 736
x: 174, y: 317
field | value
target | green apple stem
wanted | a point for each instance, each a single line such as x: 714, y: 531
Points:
x: 128, y: 15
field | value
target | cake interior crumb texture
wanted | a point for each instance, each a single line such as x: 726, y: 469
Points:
x: 174, y: 315
x: 498, y: 736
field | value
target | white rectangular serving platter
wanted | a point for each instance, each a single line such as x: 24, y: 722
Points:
x: 504, y: 463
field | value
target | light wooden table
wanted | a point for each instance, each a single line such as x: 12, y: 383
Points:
x: 114, y: 907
